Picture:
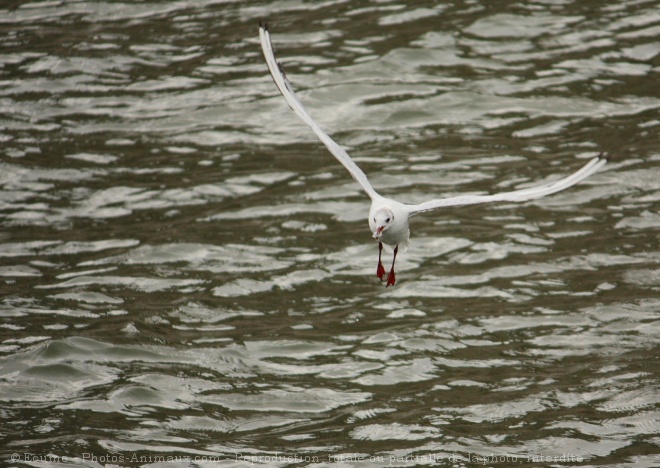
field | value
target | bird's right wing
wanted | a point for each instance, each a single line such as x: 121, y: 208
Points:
x: 516, y: 195
x: 289, y: 95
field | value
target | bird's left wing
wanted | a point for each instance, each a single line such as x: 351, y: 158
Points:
x: 289, y: 95
x: 516, y: 195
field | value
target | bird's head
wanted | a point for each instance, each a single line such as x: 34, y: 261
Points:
x: 383, y: 219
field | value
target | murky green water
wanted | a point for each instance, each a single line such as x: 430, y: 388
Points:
x: 188, y: 278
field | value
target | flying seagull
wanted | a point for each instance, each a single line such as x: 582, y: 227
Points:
x: 388, y: 219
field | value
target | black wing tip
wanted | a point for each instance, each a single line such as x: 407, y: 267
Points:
x: 603, y: 156
x: 263, y: 25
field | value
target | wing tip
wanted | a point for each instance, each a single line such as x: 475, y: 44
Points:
x: 603, y: 156
x: 263, y: 25
x: 602, y: 159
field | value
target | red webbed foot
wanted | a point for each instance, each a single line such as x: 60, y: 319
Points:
x: 391, y: 279
x: 380, y: 271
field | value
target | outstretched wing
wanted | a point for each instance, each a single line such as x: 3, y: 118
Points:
x: 287, y: 91
x: 517, y: 195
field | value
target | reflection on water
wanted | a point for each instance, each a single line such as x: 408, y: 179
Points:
x: 187, y: 273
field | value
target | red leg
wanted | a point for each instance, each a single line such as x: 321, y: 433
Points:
x: 391, y: 279
x: 380, y: 270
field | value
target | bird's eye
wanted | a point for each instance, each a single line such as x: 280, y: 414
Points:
x: 387, y: 220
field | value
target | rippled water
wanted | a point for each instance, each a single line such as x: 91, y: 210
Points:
x: 188, y: 278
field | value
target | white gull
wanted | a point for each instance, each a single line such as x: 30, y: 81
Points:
x: 388, y: 219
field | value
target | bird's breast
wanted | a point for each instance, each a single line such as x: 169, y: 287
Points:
x: 395, y: 235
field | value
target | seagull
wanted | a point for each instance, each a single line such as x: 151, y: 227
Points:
x: 389, y: 219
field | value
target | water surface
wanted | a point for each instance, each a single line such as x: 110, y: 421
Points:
x: 188, y: 278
